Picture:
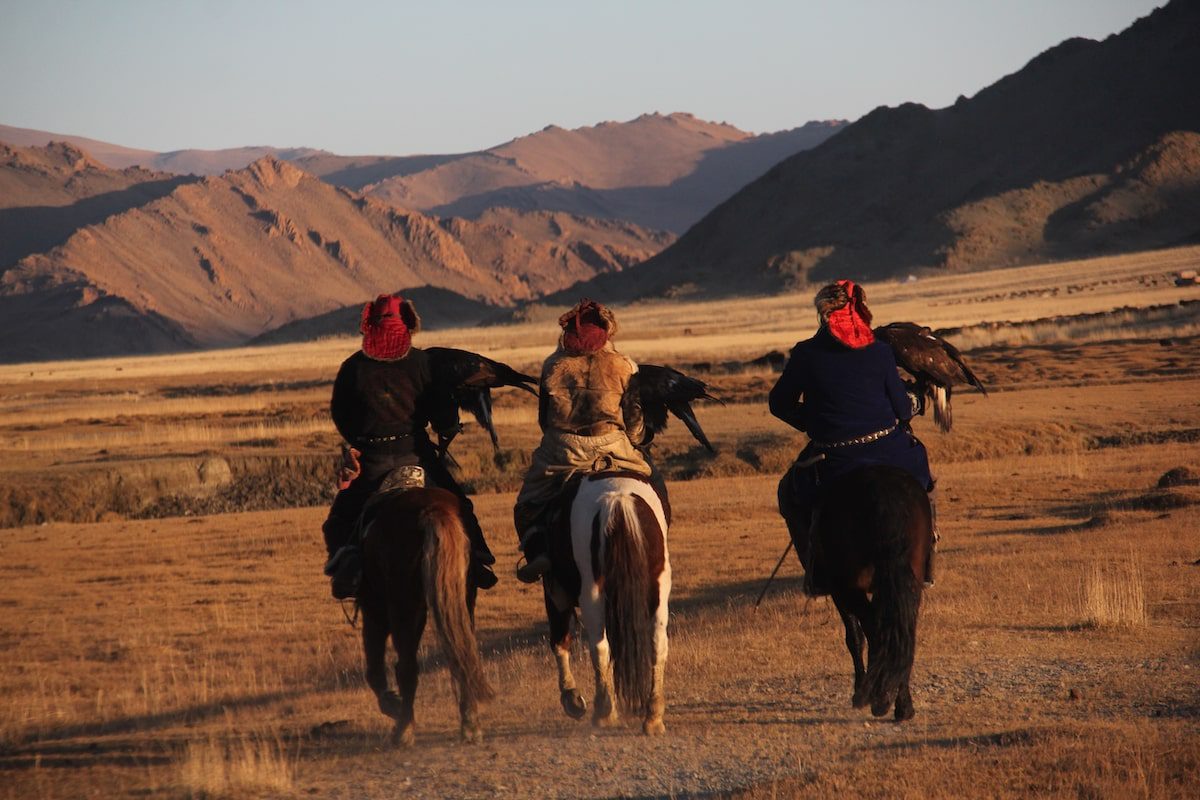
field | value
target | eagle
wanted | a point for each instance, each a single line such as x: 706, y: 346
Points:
x: 935, y: 365
x: 663, y: 389
x: 469, y: 378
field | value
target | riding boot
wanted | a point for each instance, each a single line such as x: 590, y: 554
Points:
x: 527, y: 519
x: 537, y: 560
x: 344, y: 566
x: 481, y: 555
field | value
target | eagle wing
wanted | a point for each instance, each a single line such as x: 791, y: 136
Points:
x: 936, y: 365
x: 470, y: 378
x: 661, y: 390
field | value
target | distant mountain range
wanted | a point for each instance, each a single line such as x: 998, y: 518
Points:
x: 162, y: 263
x: 1092, y: 147
x: 657, y: 171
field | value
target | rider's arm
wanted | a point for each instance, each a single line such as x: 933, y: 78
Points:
x: 344, y: 405
x: 784, y: 400
x: 901, y: 402
x: 631, y: 409
x: 440, y: 407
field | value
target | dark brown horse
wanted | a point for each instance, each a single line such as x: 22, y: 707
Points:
x: 415, y: 556
x: 871, y: 534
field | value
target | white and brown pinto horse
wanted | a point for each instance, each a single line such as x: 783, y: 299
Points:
x: 618, y: 544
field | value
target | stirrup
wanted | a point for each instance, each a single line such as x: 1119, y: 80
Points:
x: 532, y: 571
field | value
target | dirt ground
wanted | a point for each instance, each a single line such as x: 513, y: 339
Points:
x: 1058, y: 653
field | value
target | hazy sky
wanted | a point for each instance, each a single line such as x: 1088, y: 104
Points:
x: 400, y: 77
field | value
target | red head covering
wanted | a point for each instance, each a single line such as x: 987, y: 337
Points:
x: 586, y: 327
x: 851, y: 324
x: 386, y: 334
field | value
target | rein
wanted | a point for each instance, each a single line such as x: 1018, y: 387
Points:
x: 353, y: 621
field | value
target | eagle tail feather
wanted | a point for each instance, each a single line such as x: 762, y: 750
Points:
x: 941, y: 408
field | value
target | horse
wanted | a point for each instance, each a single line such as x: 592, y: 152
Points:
x: 615, y: 568
x: 415, y: 559
x: 871, y: 533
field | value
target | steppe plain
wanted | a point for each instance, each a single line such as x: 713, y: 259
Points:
x: 167, y: 632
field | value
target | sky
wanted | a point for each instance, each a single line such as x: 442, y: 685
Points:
x: 397, y: 77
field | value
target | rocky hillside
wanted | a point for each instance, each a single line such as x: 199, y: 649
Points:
x: 1091, y: 148
x: 219, y: 260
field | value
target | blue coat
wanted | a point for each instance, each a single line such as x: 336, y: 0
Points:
x: 835, y: 393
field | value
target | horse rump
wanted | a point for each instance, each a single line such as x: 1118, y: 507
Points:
x: 416, y: 544
x: 878, y: 518
x: 634, y: 558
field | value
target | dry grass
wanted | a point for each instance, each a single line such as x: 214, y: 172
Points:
x: 200, y: 656
x: 215, y: 768
x: 1114, y: 595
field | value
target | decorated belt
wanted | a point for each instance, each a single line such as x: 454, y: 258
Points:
x: 381, y: 439
x: 864, y: 439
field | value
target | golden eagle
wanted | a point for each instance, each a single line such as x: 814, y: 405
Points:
x: 935, y: 365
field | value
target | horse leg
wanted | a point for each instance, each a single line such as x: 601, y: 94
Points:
x: 904, y: 703
x: 406, y: 637
x: 374, y: 636
x: 604, y: 712
x: 653, y: 724
x: 855, y: 612
x: 561, y: 635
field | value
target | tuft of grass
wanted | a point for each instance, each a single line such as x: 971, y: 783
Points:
x: 212, y: 768
x: 1114, y: 595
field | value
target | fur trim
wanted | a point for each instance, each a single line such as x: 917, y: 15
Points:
x: 408, y: 313
x: 592, y: 312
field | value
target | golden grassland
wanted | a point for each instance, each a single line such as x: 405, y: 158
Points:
x: 199, y: 656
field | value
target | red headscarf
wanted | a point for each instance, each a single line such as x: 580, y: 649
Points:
x: 386, y: 336
x: 585, y: 328
x: 851, y: 324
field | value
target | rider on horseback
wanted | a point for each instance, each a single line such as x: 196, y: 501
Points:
x: 589, y: 422
x: 841, y: 387
x: 383, y: 398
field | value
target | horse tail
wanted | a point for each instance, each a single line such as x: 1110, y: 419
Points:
x: 446, y: 556
x: 896, y: 602
x: 634, y: 557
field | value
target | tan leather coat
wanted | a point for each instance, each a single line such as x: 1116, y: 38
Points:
x: 583, y: 393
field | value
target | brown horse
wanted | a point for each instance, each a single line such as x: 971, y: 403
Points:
x: 871, y: 533
x: 415, y: 557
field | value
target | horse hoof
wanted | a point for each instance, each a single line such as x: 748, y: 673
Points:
x: 391, y: 705
x: 607, y: 721
x: 881, y: 707
x: 403, y: 737
x: 573, y: 703
x: 904, y: 712
x: 472, y: 734
x: 859, y: 700
x: 654, y: 727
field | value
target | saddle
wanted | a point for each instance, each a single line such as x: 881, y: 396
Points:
x: 564, y: 582
x: 400, y: 480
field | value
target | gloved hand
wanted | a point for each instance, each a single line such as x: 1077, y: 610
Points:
x: 349, y: 468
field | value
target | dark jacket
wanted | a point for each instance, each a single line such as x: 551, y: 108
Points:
x: 374, y: 400
x: 835, y: 393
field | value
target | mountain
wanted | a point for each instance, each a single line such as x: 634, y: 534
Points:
x: 1090, y: 148
x: 183, y: 162
x: 221, y: 259
x: 658, y: 171
x: 48, y: 193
